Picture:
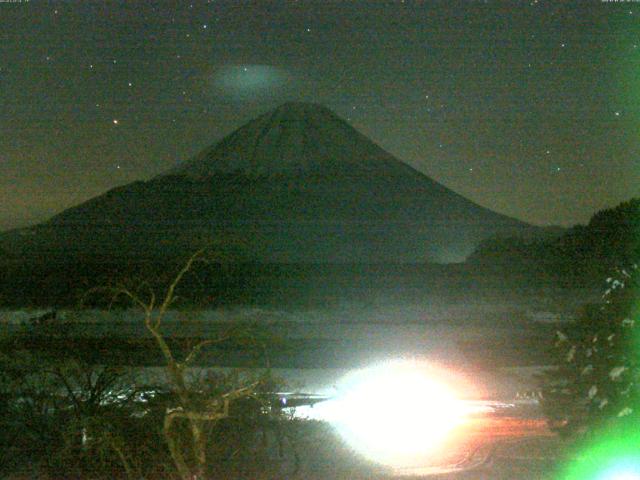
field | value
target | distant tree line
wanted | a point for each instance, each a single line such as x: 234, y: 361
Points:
x: 585, y: 253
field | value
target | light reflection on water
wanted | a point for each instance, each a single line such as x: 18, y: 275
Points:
x: 329, y: 410
x: 469, y: 446
x: 412, y: 416
x: 397, y: 412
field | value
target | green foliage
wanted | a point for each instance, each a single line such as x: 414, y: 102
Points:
x: 597, y: 378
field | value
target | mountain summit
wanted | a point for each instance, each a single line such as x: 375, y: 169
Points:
x: 295, y: 139
x: 297, y: 184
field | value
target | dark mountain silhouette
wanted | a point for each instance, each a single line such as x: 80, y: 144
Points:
x: 592, y: 252
x: 297, y: 184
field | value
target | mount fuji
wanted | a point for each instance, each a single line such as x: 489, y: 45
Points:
x: 295, y: 185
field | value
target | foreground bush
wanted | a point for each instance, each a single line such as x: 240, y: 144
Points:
x: 596, y: 383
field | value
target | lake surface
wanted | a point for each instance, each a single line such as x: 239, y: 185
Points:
x: 502, y: 344
x: 496, y: 349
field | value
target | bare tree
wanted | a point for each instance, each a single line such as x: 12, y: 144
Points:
x: 191, y: 408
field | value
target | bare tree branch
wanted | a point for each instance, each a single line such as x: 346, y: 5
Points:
x: 170, y: 292
x: 195, y: 351
x: 189, y: 409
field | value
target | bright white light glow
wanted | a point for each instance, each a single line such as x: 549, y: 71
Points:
x: 625, y: 471
x: 397, y: 413
x: 622, y: 476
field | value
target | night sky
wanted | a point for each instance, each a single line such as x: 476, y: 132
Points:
x: 528, y: 108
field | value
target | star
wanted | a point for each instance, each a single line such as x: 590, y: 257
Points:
x: 248, y: 89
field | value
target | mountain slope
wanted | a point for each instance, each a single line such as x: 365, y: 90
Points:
x: 296, y: 139
x: 297, y: 184
x: 610, y: 241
